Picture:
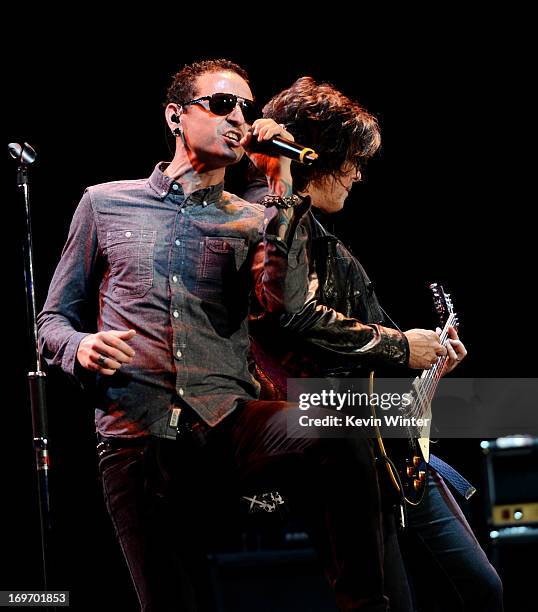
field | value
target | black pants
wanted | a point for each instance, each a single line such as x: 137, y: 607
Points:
x: 155, y: 492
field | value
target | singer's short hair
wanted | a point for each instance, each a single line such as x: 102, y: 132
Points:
x: 340, y: 130
x: 183, y: 85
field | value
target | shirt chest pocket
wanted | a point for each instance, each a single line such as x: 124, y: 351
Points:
x: 220, y: 265
x: 130, y: 254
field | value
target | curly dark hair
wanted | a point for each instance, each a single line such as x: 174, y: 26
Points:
x: 340, y: 130
x: 183, y: 86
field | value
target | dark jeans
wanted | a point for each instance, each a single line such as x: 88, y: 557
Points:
x: 448, y: 569
x: 164, y: 499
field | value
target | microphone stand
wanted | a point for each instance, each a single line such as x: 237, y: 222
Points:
x: 24, y: 156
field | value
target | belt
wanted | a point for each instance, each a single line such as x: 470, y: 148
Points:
x: 107, y: 443
x: 189, y: 426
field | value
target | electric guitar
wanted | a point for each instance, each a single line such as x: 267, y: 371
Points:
x: 406, y: 459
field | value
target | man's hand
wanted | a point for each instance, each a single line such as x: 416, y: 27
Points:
x: 105, y: 352
x: 456, y: 350
x: 276, y: 169
x: 424, y: 348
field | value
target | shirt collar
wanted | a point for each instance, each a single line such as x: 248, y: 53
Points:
x: 161, y: 184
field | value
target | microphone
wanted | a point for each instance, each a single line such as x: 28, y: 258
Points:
x: 22, y: 153
x: 282, y: 146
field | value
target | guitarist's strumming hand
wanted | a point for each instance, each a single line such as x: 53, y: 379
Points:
x: 424, y: 348
x: 456, y: 350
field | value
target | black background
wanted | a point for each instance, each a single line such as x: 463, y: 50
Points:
x: 444, y: 201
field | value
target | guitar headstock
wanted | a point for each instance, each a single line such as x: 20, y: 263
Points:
x: 443, y: 304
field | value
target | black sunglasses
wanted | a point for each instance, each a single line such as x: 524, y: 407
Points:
x: 224, y: 103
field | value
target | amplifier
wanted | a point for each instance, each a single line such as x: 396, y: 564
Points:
x: 512, y: 510
x: 511, y: 466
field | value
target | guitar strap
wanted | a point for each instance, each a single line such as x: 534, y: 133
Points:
x: 452, y: 476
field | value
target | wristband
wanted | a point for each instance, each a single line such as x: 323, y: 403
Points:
x: 280, y: 202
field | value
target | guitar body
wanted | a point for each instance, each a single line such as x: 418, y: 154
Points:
x: 406, y: 461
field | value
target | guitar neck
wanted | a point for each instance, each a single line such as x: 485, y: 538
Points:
x: 429, y: 379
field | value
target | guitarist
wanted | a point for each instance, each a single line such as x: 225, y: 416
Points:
x: 342, y: 328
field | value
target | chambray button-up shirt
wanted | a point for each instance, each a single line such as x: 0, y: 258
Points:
x: 179, y: 271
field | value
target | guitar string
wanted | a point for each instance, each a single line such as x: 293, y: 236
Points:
x: 437, y: 370
x: 425, y: 390
x: 428, y: 387
x: 434, y: 375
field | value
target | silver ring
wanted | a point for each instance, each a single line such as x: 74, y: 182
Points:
x: 101, y: 360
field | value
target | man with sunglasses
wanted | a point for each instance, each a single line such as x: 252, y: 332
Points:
x: 148, y: 307
x: 343, y: 331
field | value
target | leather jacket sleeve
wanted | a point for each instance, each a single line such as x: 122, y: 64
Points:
x: 347, y: 337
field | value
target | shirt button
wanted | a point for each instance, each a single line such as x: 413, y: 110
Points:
x: 204, y: 203
x: 175, y: 186
x: 178, y: 242
x: 176, y: 314
x: 163, y: 193
x: 174, y: 278
x: 182, y: 211
x: 179, y: 354
x: 128, y: 234
x: 181, y: 392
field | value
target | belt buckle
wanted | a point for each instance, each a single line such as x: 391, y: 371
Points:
x: 102, y: 447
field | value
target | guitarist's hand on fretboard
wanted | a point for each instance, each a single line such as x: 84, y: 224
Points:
x: 456, y: 350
